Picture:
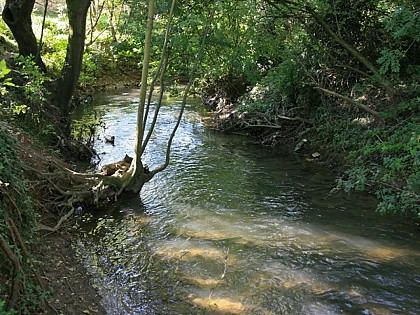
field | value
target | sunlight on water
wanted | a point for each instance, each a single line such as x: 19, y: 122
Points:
x: 226, y: 306
x: 187, y: 250
x: 235, y: 228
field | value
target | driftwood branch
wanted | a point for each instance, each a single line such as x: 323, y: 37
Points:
x: 294, y: 119
x: 351, y: 101
x: 278, y: 126
x: 59, y: 223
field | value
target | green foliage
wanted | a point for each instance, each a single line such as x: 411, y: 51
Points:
x: 30, y: 109
x: 404, y: 22
x: 54, y: 42
x: 386, y: 160
x: 4, y: 81
x: 16, y: 205
x: 85, y: 123
x: 379, y: 157
x: 7, y: 43
x: 11, y: 175
x: 281, y: 92
x: 2, y: 306
x: 54, y: 53
x: 34, y: 88
x: 390, y: 61
x: 403, y: 25
x: 27, y: 102
x: 89, y: 72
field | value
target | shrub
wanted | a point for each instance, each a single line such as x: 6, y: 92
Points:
x: 387, y: 162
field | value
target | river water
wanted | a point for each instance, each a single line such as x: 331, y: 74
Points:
x: 232, y: 227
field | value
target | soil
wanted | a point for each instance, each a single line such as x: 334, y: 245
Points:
x: 66, y: 280
x: 65, y: 277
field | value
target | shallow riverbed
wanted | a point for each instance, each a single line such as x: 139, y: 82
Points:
x: 235, y: 228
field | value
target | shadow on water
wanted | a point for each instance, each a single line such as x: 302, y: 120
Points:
x: 235, y: 228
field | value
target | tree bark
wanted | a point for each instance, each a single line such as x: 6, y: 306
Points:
x: 67, y: 82
x: 17, y: 15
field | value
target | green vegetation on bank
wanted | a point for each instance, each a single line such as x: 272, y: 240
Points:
x: 341, y: 74
x: 17, y: 223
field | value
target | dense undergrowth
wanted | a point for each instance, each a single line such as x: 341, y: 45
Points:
x: 17, y: 223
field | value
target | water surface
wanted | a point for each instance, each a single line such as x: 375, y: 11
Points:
x: 235, y: 228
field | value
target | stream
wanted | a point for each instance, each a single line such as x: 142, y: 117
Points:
x: 231, y: 227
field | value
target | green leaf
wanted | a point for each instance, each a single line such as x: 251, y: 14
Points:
x: 3, y: 69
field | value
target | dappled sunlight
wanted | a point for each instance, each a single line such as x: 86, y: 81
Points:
x: 280, y: 277
x: 220, y: 305
x: 311, y: 286
x: 205, y: 235
x: 375, y: 250
x: 139, y: 219
x: 202, y: 282
x: 188, y: 253
x: 377, y: 309
x: 386, y: 253
x: 234, y: 229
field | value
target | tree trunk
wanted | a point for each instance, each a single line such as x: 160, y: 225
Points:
x: 67, y: 82
x: 17, y: 15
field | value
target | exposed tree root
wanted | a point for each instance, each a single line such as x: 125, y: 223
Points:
x: 17, y: 253
x: 16, y: 283
x: 59, y: 223
x: 65, y: 190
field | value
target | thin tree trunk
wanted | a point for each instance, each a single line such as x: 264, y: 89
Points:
x: 292, y: 6
x: 143, y: 89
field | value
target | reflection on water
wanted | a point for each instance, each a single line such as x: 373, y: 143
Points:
x: 234, y: 228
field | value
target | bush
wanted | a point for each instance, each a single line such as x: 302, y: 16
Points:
x: 386, y: 160
x: 281, y: 92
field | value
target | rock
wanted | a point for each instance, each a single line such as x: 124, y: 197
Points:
x: 300, y: 145
x: 316, y: 155
x: 110, y: 139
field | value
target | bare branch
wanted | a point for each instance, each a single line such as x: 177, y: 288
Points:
x: 348, y: 99
x: 59, y: 223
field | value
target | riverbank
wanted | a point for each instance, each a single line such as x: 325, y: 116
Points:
x: 378, y: 155
x: 54, y: 279
x: 67, y: 283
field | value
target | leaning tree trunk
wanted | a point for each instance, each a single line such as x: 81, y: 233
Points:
x: 17, y: 15
x: 67, y: 82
